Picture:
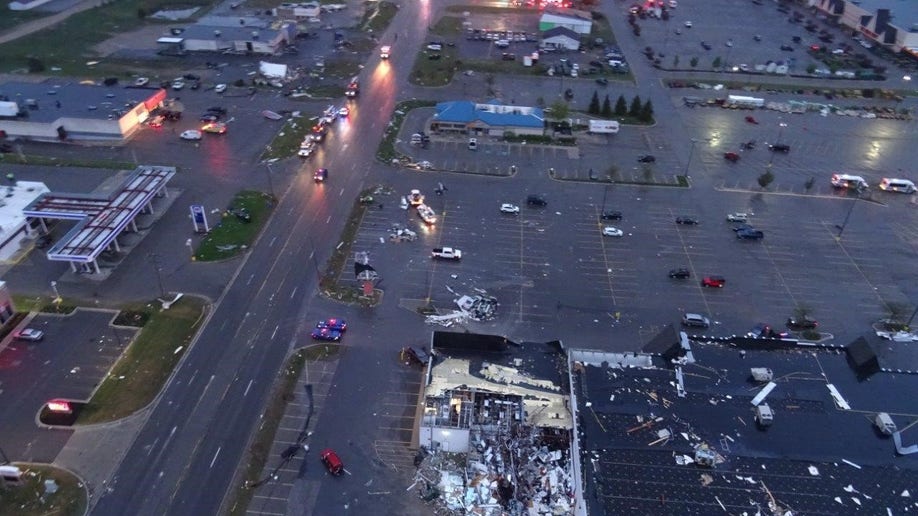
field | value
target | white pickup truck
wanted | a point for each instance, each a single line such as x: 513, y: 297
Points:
x: 446, y: 253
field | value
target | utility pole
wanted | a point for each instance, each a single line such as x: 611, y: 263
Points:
x: 159, y: 276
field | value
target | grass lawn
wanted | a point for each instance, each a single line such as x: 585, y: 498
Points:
x: 68, y: 45
x: 288, y: 139
x: 386, y: 150
x: 50, y: 161
x: 143, y: 369
x: 377, y: 16
x: 28, y: 500
x: 260, y: 449
x: 10, y: 18
x: 231, y: 235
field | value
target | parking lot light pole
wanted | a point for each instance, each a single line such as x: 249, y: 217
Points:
x: 771, y: 158
x: 841, y: 228
x: 57, y: 295
x: 689, y: 162
x: 268, y: 172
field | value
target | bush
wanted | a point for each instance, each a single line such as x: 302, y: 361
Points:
x: 766, y: 179
x: 36, y: 65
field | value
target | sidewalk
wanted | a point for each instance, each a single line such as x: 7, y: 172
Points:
x: 36, y: 25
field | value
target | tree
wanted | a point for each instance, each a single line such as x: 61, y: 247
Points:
x: 766, y: 179
x: 606, y: 108
x: 716, y: 64
x: 621, y: 107
x: 141, y: 13
x: 811, y: 69
x: 558, y: 111
x: 694, y: 62
x: 594, y: 104
x: 635, y: 109
x: 647, y: 112
x: 36, y: 65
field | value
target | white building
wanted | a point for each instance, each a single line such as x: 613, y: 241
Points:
x: 16, y: 229
x: 302, y: 11
x: 560, y: 38
x: 580, y: 22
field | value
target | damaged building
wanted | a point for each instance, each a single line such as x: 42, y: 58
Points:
x: 745, y: 426
x: 496, y: 427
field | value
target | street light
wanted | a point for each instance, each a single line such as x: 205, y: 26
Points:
x: 57, y: 295
x: 268, y: 172
x: 841, y: 228
x: 771, y: 158
x: 159, y: 274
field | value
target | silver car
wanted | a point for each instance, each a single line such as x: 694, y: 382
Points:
x: 696, y: 320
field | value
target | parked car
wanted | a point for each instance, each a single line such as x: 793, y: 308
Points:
x: 750, y: 234
x: 536, y: 200
x: 611, y: 215
x: 332, y: 462
x: 731, y: 156
x: 326, y: 334
x: 680, y: 273
x: 738, y: 217
x: 687, y: 221
x: 646, y: 158
x: 29, y: 334
x: 217, y: 110
x: 802, y: 323
x: 220, y: 88
x: 214, y: 128
x: 141, y: 81
x: 473, y: 144
x: 705, y: 45
x: 713, y: 281
x: 787, y: 48
x: 333, y: 324
x: 191, y: 134
x: 765, y: 331
x: 509, y: 208
x: 696, y: 320
x: 210, y: 117
x: 780, y: 147
x: 612, y: 232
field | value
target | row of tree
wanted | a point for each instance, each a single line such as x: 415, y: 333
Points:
x: 642, y: 111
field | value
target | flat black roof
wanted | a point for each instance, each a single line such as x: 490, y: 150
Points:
x: 76, y: 100
x: 637, y: 472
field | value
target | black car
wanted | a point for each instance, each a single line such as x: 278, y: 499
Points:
x: 780, y: 147
x: 536, y: 200
x: 802, y: 323
x: 192, y: 77
x: 210, y: 117
x: 217, y: 110
x: 787, y: 48
x: 611, y: 215
x: 742, y: 227
x: 705, y: 45
x: 688, y: 221
x: 602, y: 81
x: 646, y: 158
x: 680, y: 273
x: 750, y: 234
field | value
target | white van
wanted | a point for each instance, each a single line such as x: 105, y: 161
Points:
x: 848, y: 181
x: 897, y: 185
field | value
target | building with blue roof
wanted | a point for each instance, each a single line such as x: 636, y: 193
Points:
x: 491, y: 118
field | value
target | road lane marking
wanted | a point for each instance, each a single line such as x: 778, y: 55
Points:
x: 293, y: 293
x: 250, y: 279
x: 247, y: 387
x: 215, y: 457
x: 274, y: 332
x: 328, y: 219
x: 341, y: 193
x: 272, y: 242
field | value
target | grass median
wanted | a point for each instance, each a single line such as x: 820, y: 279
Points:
x: 143, y: 369
x: 282, y: 394
x: 30, y: 498
x: 287, y: 141
x: 50, y: 161
x: 233, y: 234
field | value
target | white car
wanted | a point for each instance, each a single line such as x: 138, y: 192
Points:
x: 509, y: 208
x: 178, y: 84
x: 473, y: 143
x: 29, y: 334
x: 191, y: 134
x: 612, y: 232
x: 688, y: 24
x: 344, y: 112
x: 141, y: 81
x: 306, y: 150
x: 738, y: 217
x: 220, y: 88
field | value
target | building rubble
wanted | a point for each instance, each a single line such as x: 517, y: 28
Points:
x: 478, y: 307
x: 521, y: 470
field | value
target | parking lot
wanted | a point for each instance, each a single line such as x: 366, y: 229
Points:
x: 76, y: 353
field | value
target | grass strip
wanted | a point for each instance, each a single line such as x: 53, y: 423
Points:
x: 233, y: 235
x: 143, y: 369
x: 51, y: 161
x: 30, y: 499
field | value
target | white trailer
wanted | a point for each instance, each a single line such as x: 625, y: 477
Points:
x: 740, y: 100
x: 603, y: 127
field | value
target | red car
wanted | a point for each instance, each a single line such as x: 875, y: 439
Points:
x: 332, y: 461
x: 713, y: 281
x: 731, y: 156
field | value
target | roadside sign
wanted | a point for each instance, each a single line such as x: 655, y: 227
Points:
x: 199, y: 218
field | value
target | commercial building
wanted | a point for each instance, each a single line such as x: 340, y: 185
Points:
x: 490, y: 118
x: 580, y: 22
x: 560, y: 38
x: 890, y: 23
x: 74, y: 112
x: 16, y: 229
x: 750, y: 426
x: 244, y: 35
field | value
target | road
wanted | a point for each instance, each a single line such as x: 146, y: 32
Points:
x: 184, y: 459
